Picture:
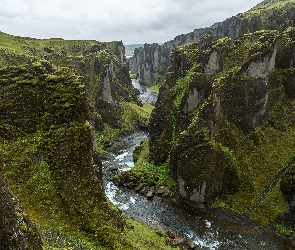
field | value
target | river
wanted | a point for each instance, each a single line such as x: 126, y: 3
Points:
x: 208, y: 229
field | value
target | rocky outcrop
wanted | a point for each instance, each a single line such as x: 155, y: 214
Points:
x: 102, y: 67
x: 149, y: 61
x: 220, y: 118
x: 49, y: 157
x: 105, y: 76
x: 268, y: 15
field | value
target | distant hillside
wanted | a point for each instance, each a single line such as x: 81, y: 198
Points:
x: 129, y: 49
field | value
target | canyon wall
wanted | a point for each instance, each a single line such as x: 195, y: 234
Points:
x: 55, y: 95
x: 224, y: 120
x: 151, y: 62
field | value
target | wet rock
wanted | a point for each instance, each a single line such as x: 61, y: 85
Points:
x: 113, y: 169
x: 144, y: 190
x: 140, y: 187
x: 150, y: 193
x: 171, y: 234
x: 191, y: 245
x: 118, y: 181
x: 179, y: 242
x: 160, y: 190
x: 163, y: 191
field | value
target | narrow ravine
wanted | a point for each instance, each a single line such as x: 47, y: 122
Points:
x: 207, y: 229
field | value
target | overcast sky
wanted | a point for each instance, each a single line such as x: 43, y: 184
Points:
x: 132, y: 21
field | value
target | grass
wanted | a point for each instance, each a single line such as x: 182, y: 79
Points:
x: 47, y: 170
x: 262, y: 200
x: 140, y: 236
x: 155, y: 88
x: 57, y: 232
x: 135, y: 116
x: 136, y: 236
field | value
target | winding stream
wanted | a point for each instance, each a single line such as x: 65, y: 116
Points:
x: 146, y: 96
x: 208, y: 229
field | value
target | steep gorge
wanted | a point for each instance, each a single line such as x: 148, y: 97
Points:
x: 59, y: 101
x: 224, y: 120
x: 223, y: 126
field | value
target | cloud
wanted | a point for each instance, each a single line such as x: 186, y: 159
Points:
x: 132, y: 21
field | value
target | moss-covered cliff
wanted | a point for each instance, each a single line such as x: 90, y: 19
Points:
x: 225, y: 121
x: 53, y: 95
x: 151, y: 62
x: 48, y: 154
x: 101, y: 66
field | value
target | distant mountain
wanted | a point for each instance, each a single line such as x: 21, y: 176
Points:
x: 129, y: 49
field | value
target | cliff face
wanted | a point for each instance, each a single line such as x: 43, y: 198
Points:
x: 54, y: 96
x: 49, y: 157
x: 102, y: 67
x: 150, y: 61
x: 225, y: 119
x: 268, y: 15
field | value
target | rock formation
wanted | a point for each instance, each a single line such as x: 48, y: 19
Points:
x: 224, y: 119
x: 54, y: 97
x: 151, y: 62
x: 48, y: 153
x: 16, y: 230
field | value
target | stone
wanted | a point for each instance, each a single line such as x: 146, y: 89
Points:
x: 151, y: 192
x: 140, y: 187
x: 191, y: 244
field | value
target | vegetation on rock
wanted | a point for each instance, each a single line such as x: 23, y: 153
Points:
x: 151, y: 62
x: 225, y: 120
x: 53, y: 95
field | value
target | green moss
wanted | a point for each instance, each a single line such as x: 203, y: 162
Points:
x: 155, y: 88
x: 134, y: 116
x: 239, y: 139
x: 139, y: 236
x: 47, y: 153
x: 285, y: 230
x: 46, y: 146
x: 146, y: 173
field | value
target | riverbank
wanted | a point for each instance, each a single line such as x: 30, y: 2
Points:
x: 208, y: 229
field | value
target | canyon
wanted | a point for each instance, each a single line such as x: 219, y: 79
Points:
x: 216, y: 142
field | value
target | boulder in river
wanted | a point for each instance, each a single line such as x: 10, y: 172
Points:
x: 151, y: 192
